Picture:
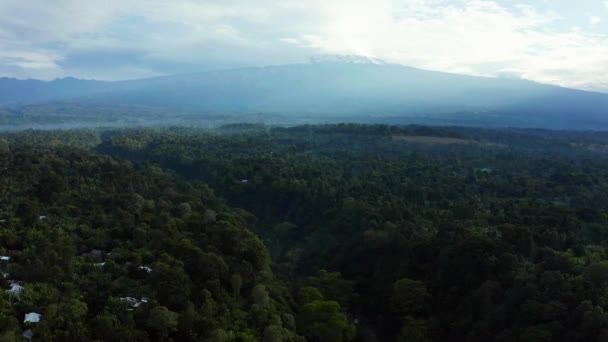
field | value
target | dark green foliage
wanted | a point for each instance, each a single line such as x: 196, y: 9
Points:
x: 308, y: 294
x: 323, y: 321
x: 371, y: 237
x: 162, y: 321
x: 415, y: 331
x: 410, y: 297
x: 86, y: 231
x: 499, y: 238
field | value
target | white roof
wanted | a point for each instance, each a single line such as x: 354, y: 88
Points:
x: 145, y: 268
x: 134, y: 302
x: 32, y: 317
x: 130, y: 300
x: 16, y: 288
x: 28, y: 334
x: 5, y: 258
x: 100, y: 264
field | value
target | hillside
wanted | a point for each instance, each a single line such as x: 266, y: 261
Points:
x: 334, y: 90
x: 498, y: 240
x: 310, y: 233
x: 101, y: 249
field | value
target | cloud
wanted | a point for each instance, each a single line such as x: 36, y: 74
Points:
x: 593, y: 20
x: 474, y: 37
x: 137, y: 38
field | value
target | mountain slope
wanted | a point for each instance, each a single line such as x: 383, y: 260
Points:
x: 14, y: 91
x: 338, y: 89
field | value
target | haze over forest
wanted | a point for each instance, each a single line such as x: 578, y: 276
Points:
x: 507, y: 65
x: 331, y: 89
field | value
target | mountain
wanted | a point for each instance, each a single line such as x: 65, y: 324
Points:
x: 349, y: 86
x: 14, y: 91
x: 345, y: 59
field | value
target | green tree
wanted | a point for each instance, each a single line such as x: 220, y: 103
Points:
x: 410, y: 297
x: 308, y: 294
x: 236, y: 281
x: 415, y: 330
x: 162, y: 321
x: 324, y: 321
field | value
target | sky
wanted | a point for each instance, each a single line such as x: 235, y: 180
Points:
x: 562, y: 42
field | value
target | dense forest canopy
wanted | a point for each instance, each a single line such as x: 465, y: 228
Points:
x: 306, y: 233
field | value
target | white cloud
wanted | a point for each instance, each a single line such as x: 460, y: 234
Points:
x: 593, y: 20
x: 476, y: 37
x: 469, y: 36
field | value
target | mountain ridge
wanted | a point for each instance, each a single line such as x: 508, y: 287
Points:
x: 333, y: 89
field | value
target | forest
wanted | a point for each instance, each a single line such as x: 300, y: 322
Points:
x: 315, y: 233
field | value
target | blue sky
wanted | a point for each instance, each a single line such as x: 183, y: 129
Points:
x: 562, y: 42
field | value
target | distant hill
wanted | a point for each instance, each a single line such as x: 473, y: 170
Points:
x: 14, y: 91
x: 337, y: 88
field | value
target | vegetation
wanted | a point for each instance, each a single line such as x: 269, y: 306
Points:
x: 362, y: 236
x: 114, y: 251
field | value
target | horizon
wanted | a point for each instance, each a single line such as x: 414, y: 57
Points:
x: 310, y: 62
x: 559, y: 42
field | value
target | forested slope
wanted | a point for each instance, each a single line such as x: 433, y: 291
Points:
x: 368, y: 233
x: 500, y: 238
x: 107, y: 250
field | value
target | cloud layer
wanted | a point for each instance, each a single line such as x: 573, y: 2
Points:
x: 139, y: 38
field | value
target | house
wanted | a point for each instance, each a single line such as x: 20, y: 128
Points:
x: 28, y: 334
x: 16, y: 288
x: 32, y: 317
x: 130, y: 300
x: 5, y: 258
x: 96, y: 253
x: 145, y: 268
x: 134, y: 303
